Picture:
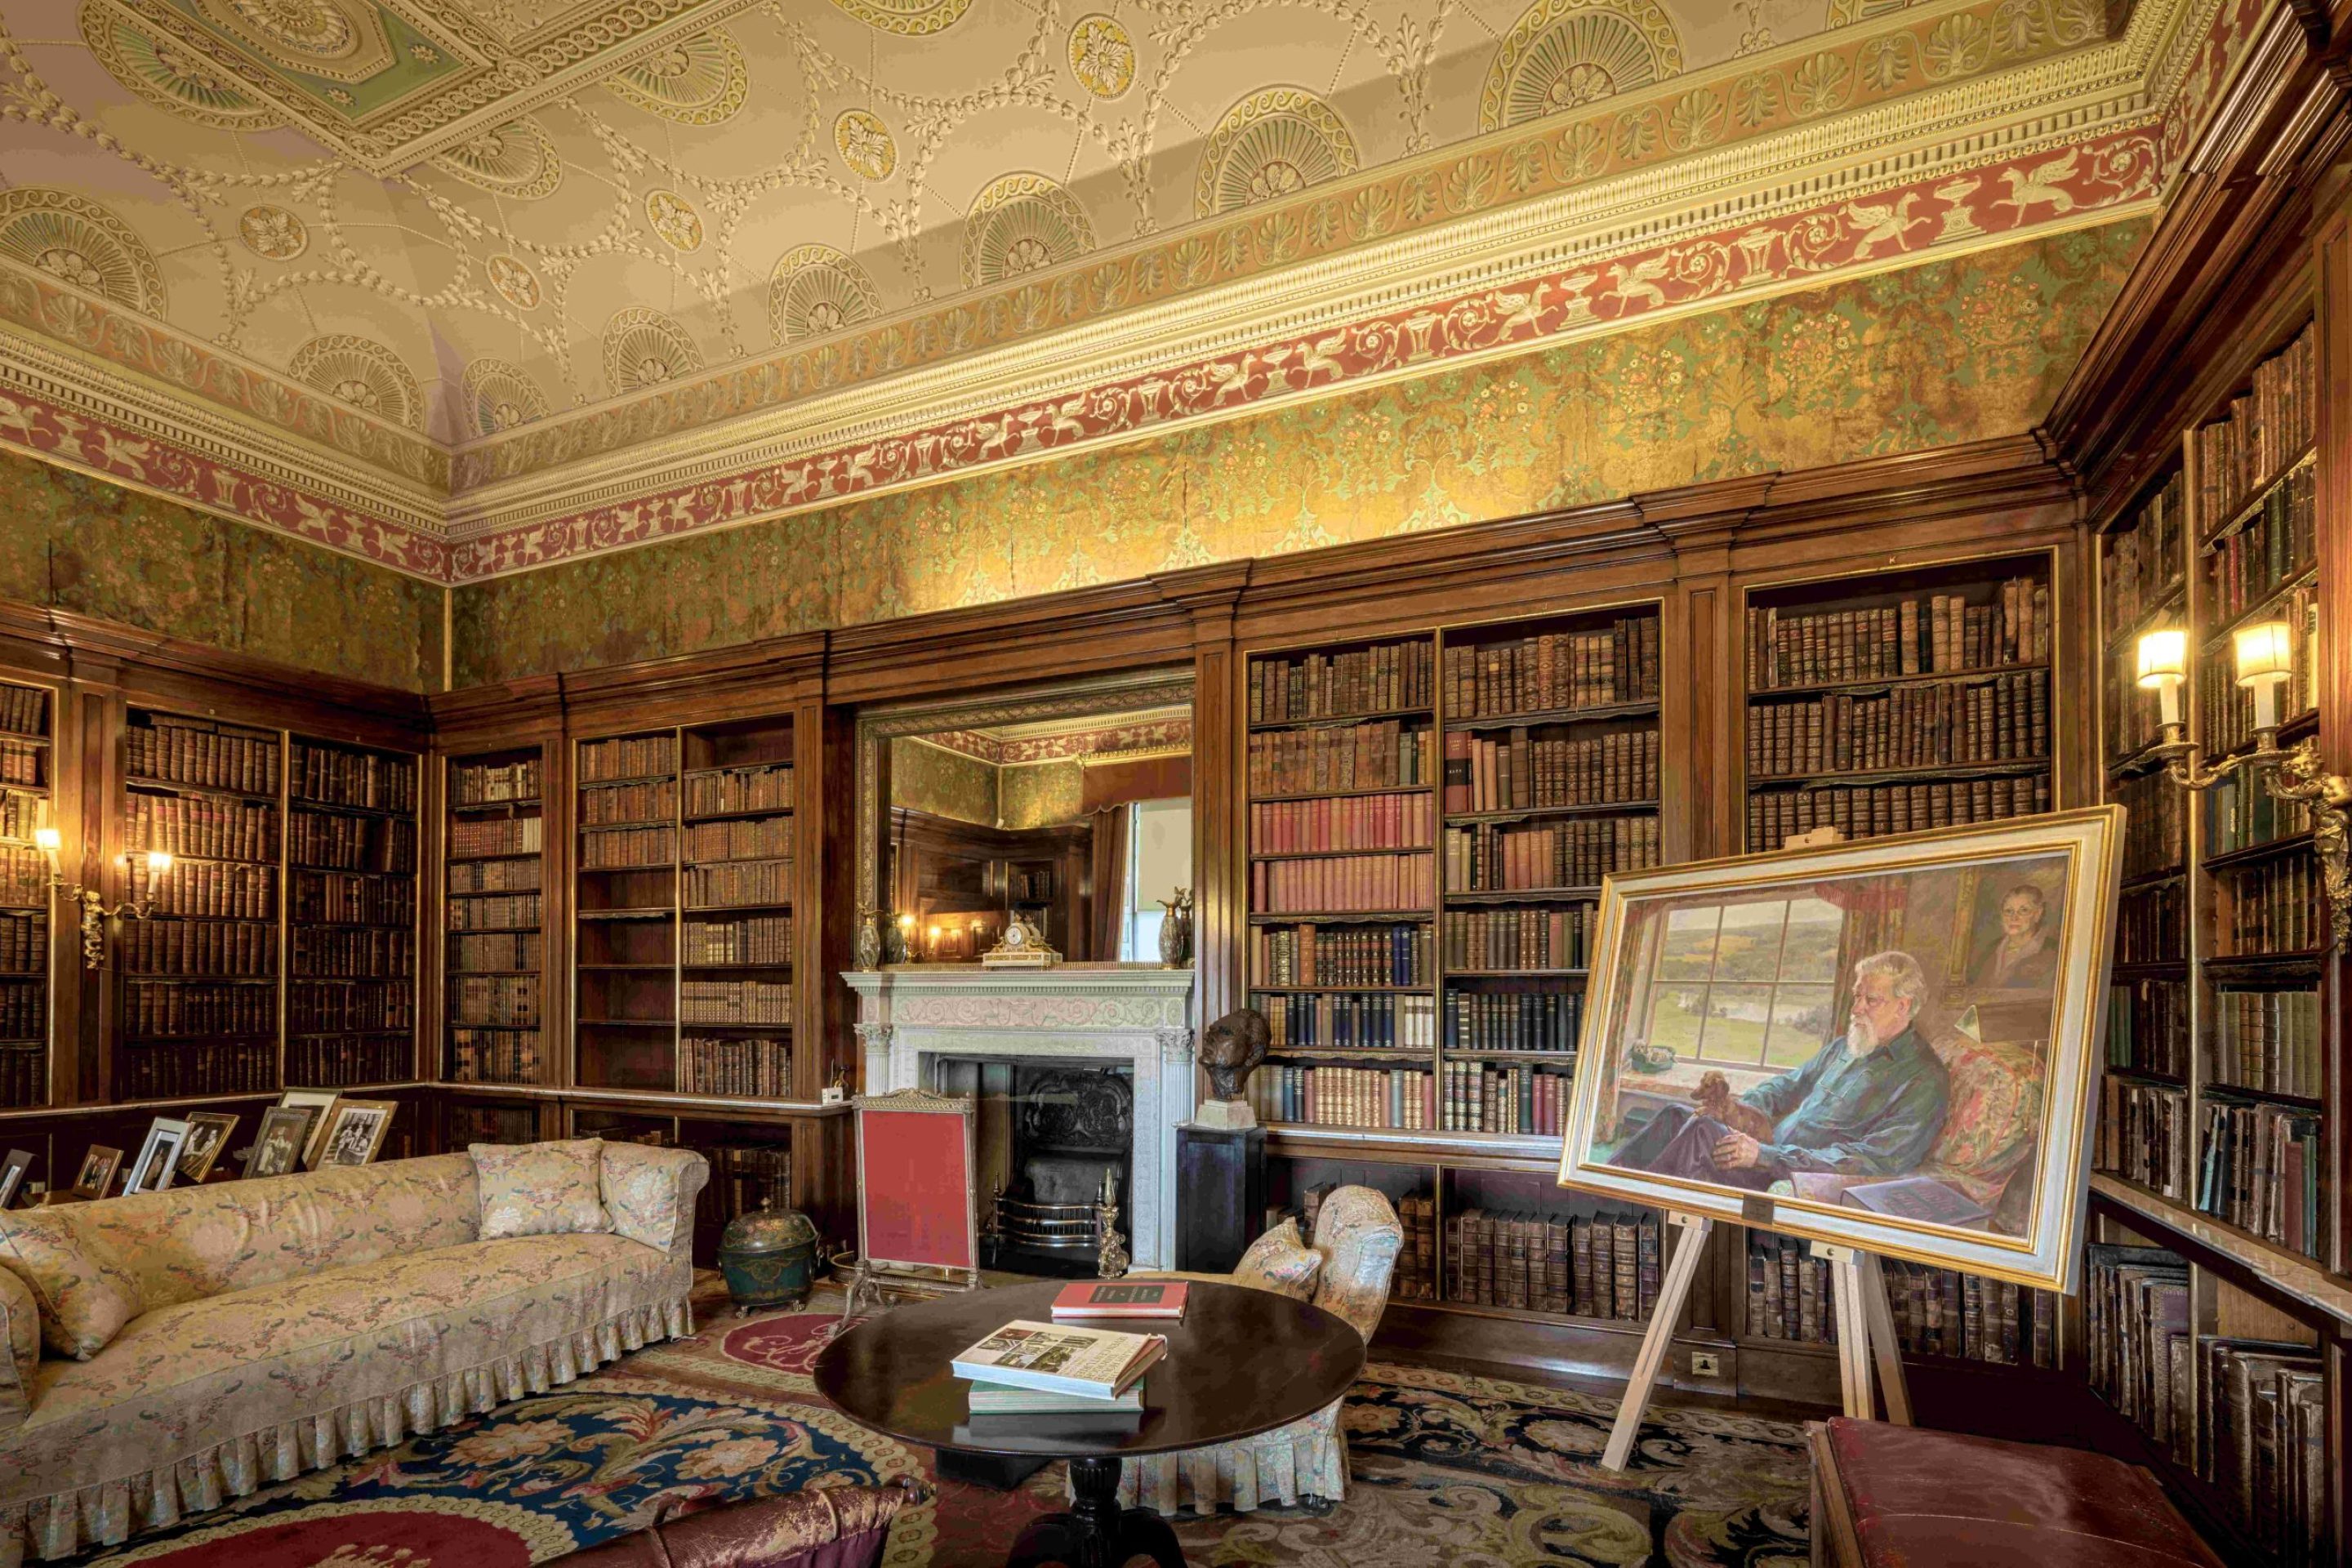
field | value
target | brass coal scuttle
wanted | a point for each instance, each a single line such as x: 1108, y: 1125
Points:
x: 769, y: 1256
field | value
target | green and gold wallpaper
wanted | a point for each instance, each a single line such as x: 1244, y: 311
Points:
x: 945, y: 783
x: 1040, y: 795
x: 1927, y: 356
x: 82, y: 544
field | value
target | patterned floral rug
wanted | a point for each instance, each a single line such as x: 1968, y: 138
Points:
x: 1446, y: 1468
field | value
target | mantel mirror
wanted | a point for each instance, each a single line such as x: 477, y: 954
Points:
x: 1069, y: 807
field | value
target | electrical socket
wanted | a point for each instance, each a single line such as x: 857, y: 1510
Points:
x: 1704, y: 1363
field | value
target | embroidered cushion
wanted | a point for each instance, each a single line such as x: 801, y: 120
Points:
x: 640, y: 1184
x: 541, y: 1189
x: 87, y: 1293
x: 1277, y: 1262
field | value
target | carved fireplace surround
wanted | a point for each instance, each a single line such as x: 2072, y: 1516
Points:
x: 1140, y: 1015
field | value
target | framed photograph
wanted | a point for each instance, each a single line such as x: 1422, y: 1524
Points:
x: 320, y: 1103
x: 158, y: 1157
x: 355, y: 1131
x: 278, y: 1143
x: 12, y: 1175
x: 208, y: 1134
x: 1891, y: 1045
x: 97, y: 1172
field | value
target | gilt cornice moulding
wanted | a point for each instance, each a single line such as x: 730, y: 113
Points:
x: 2086, y: 136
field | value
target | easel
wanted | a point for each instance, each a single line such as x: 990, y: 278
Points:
x: 1866, y: 1334
x: 1865, y: 1323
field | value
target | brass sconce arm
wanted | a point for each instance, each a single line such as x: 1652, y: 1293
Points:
x: 2302, y: 775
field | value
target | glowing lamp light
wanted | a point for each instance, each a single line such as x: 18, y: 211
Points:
x: 2265, y: 659
x: 50, y: 839
x: 158, y: 862
x: 2163, y: 666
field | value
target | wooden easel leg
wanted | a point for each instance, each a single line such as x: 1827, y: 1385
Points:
x: 1855, y: 1396
x: 1865, y: 1335
x: 1885, y: 1349
x: 1664, y: 1315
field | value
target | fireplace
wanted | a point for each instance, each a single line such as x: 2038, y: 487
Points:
x: 1054, y: 1144
x: 1091, y: 1067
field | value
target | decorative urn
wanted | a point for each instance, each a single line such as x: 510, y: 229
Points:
x: 769, y: 1256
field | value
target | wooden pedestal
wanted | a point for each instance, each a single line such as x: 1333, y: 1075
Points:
x: 1221, y: 1183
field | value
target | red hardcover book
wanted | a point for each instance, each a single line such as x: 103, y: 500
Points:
x: 1122, y: 1298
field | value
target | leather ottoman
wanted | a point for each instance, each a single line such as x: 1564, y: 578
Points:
x: 1901, y: 1496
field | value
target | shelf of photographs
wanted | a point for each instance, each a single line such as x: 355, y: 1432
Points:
x: 200, y: 973
x: 493, y: 942
x: 26, y: 906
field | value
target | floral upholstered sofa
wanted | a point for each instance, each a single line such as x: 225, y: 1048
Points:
x: 175, y: 1350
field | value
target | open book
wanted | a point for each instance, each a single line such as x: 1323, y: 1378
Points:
x: 1060, y: 1358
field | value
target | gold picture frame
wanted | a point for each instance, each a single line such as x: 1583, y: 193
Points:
x: 1787, y: 1040
x: 208, y: 1135
x: 355, y: 1129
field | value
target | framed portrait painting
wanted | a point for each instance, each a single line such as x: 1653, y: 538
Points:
x: 1891, y: 1045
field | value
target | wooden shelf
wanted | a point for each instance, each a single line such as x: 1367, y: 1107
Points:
x: 2302, y: 578
x: 1345, y: 793
x: 1520, y: 813
x: 2253, y: 853
x: 2289, y: 1273
x: 1343, y: 917
x: 1575, y: 894
x: 1882, y: 682
x: 1340, y: 721
x: 1931, y: 773
x: 2243, y: 511
x: 1545, y: 717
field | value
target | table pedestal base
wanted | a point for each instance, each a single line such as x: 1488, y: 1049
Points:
x: 1097, y: 1532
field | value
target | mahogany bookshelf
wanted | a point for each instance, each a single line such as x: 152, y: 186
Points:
x: 351, y: 915
x: 27, y: 781
x: 493, y: 918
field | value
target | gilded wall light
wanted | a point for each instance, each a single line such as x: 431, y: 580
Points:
x: 2265, y: 659
x: 94, y: 911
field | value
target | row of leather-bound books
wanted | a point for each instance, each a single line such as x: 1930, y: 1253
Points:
x: 748, y: 1067
x: 2147, y: 1025
x: 496, y: 835
x: 2152, y: 924
x: 336, y: 1009
x: 2002, y: 718
x: 2270, y: 907
x: 352, y: 843
x: 225, y: 1067
x: 493, y: 1056
x: 1347, y: 1020
x: 2144, y: 1136
x: 2248, y: 1416
x: 1385, y: 753
x: 1523, y: 770
x: 765, y: 786
x: 365, y: 951
x: 2140, y: 566
x: 1400, y: 821
x: 2265, y: 428
x: 23, y: 710
x: 1333, y: 685
x: 1554, y: 671
x: 334, y: 776
x: 501, y: 1000
x: 628, y: 757
x: 1343, y: 883
x: 1936, y: 1312
x: 342, y: 1060
x: 345, y: 898
x: 1370, y: 955
x: 1875, y: 811
x: 518, y: 876
x: 194, y: 751
x: 24, y: 945
x: 198, y: 947
x: 494, y: 784
x: 1606, y: 1265
x: 1938, y: 634
x: 519, y: 910
x: 1497, y: 856
x: 2259, y: 1167
x: 201, y: 824
x: 754, y: 939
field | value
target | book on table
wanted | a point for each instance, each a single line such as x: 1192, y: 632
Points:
x: 1122, y: 1298
x: 1060, y: 1358
x: 1002, y: 1399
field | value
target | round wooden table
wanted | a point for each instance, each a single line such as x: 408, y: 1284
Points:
x: 1241, y: 1361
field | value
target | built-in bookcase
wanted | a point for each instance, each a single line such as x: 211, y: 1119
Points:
x: 352, y: 860
x: 685, y: 907
x: 2213, y: 1135
x: 27, y: 783
x: 201, y: 1003
x: 493, y: 939
x: 1899, y: 702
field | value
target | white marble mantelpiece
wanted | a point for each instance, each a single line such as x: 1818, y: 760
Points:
x: 1138, y: 1014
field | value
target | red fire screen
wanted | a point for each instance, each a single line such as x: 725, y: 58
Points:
x: 916, y: 1186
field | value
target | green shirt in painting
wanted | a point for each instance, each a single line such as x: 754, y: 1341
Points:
x: 1875, y: 1115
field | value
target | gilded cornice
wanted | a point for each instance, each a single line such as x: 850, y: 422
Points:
x: 1509, y: 243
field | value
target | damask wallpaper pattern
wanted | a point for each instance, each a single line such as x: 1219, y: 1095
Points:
x: 85, y: 545
x: 944, y: 782
x: 1905, y: 361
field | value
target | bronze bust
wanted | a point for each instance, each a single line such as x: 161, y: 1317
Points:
x: 1230, y: 1048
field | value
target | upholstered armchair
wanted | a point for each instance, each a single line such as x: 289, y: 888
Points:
x: 1358, y: 1235
x: 1988, y: 1130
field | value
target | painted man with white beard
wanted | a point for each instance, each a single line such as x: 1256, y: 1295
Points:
x: 1868, y: 1105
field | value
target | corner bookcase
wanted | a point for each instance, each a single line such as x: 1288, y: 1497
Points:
x: 2214, y: 1281
x: 494, y: 943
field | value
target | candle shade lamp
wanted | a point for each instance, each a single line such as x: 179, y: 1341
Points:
x: 95, y: 913
x: 2264, y: 656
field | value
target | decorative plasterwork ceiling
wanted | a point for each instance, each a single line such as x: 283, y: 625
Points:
x: 1152, y: 732
x: 568, y: 284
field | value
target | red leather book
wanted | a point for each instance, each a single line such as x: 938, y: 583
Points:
x: 1122, y: 1298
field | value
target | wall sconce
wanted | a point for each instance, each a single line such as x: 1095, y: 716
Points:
x: 94, y: 913
x: 2265, y: 659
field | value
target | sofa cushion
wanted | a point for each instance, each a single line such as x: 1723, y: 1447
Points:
x: 541, y: 1189
x: 87, y: 1292
x: 1276, y: 1262
x: 640, y: 1189
x: 188, y: 1243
